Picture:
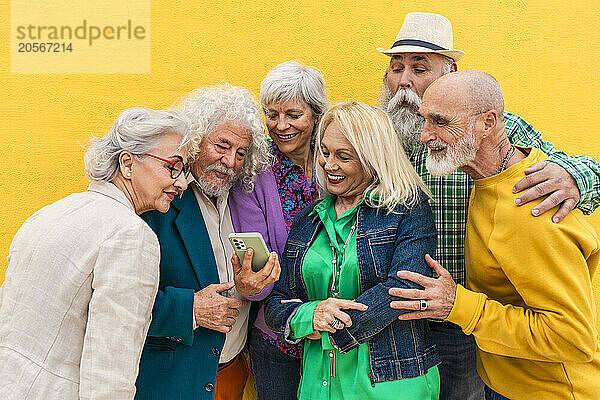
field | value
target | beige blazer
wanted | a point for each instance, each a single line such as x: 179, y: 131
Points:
x: 77, y: 300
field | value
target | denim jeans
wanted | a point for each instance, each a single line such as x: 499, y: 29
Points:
x: 276, y: 375
x: 458, y: 370
x: 491, y: 395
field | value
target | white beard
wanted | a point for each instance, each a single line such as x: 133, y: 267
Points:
x: 212, y: 190
x: 457, y: 155
x: 403, y: 110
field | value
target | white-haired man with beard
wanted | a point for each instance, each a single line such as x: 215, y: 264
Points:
x: 530, y: 300
x: 422, y: 52
x: 201, y: 314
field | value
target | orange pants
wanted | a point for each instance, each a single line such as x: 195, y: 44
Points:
x: 231, y: 379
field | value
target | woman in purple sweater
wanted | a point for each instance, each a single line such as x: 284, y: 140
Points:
x: 293, y: 97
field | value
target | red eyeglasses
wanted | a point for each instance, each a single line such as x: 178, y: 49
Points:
x: 176, y: 167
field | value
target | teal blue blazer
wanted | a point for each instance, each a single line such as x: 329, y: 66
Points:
x: 179, y: 362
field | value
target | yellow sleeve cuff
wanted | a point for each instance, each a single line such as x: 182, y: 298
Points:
x: 467, y: 309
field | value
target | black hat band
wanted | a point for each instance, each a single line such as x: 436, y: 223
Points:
x: 419, y: 43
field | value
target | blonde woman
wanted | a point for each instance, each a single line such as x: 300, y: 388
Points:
x: 341, y: 258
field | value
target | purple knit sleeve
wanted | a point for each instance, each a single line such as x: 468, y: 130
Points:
x: 260, y: 211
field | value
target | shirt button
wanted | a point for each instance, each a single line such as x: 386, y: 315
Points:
x: 209, y: 387
x: 324, y: 383
x: 215, y: 351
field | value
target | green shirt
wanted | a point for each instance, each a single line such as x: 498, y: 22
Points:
x: 451, y: 193
x: 351, y: 379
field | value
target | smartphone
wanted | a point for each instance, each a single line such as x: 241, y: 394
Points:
x: 254, y: 241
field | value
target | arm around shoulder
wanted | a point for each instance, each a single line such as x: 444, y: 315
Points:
x: 584, y: 169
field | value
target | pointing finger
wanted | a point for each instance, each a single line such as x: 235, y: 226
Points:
x: 351, y: 305
x: 284, y: 301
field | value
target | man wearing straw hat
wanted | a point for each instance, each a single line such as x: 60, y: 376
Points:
x: 422, y: 52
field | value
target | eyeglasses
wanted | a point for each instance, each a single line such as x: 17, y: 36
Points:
x: 176, y: 167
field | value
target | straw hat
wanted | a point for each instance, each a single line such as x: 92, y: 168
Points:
x: 425, y: 33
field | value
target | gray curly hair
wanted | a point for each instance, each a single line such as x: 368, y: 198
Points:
x: 212, y: 106
x: 136, y: 130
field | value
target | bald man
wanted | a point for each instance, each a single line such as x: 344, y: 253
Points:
x: 529, y: 302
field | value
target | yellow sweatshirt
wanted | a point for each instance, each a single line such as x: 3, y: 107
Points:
x: 529, y: 304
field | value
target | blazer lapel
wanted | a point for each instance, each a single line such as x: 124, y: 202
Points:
x: 192, y: 229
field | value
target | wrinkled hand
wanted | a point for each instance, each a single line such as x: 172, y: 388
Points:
x: 316, y: 335
x: 439, y: 293
x: 248, y: 282
x: 214, y: 311
x: 328, y: 310
x: 548, y: 178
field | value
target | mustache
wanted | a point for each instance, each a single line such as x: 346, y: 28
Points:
x: 403, y: 98
x: 437, y: 144
x: 220, y: 168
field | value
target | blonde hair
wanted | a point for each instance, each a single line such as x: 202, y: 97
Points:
x: 371, y: 132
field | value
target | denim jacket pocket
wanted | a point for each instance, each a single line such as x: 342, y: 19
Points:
x: 292, y: 253
x: 381, y: 248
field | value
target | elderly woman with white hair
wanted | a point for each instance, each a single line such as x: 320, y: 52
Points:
x: 293, y: 98
x: 83, y: 272
x: 341, y: 259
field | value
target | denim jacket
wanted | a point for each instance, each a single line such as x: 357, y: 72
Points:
x: 385, y: 244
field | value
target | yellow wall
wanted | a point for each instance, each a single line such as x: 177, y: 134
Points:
x: 546, y: 55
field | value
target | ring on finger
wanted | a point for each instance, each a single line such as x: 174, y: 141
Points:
x: 422, y: 305
x: 337, y: 324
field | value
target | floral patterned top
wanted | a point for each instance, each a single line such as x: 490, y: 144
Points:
x: 294, y: 190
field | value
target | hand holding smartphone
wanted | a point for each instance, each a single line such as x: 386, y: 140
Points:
x: 250, y: 240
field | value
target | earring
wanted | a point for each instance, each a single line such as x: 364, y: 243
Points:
x: 129, y: 174
x: 483, y: 136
